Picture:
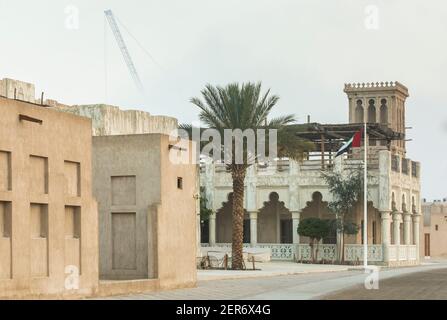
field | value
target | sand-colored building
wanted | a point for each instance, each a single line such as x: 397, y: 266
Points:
x: 434, y: 244
x: 147, y: 209
x: 144, y: 199
x: 145, y: 235
x: 48, y: 217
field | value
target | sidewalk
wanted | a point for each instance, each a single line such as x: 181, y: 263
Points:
x: 269, y: 269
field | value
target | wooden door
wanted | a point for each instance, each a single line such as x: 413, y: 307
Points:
x: 427, y: 244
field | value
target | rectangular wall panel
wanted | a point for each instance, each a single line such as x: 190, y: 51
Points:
x: 39, y: 239
x: 124, y: 190
x: 73, y: 237
x: 38, y: 175
x: 72, y: 174
x: 124, y: 241
x: 5, y: 240
x: 5, y: 171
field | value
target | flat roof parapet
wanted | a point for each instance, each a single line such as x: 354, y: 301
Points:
x: 376, y: 86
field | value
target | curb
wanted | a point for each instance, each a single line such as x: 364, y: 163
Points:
x: 230, y: 276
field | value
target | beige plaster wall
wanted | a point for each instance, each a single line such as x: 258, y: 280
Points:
x: 126, y: 175
x: 436, y: 226
x: 40, y: 236
x: 159, y: 240
x: 176, y: 228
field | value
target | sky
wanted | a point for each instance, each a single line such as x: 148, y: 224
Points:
x: 303, y: 50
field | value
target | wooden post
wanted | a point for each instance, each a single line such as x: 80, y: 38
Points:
x: 330, y: 151
x: 322, y: 151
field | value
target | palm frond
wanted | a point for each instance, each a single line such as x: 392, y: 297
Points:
x: 244, y: 106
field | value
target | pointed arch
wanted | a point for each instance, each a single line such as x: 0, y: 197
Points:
x: 359, y: 112
x: 383, y: 112
x: 274, y: 221
x: 371, y: 111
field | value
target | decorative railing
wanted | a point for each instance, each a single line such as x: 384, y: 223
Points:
x: 354, y: 252
x: 386, y: 84
x: 402, y: 252
x: 328, y: 252
x: 280, y: 251
x: 412, y: 252
x: 392, y: 253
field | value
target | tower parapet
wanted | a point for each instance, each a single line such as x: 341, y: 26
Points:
x: 374, y: 86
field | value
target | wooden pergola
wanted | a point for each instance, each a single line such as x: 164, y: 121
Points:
x: 329, y: 137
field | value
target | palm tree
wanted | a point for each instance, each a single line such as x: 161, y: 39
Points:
x: 243, y: 107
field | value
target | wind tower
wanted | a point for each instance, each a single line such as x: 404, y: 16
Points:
x: 379, y: 102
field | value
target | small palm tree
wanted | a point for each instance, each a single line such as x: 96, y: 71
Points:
x: 243, y: 107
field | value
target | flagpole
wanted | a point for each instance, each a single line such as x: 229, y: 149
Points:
x: 365, y: 201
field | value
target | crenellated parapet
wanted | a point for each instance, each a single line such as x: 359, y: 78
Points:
x: 375, y: 86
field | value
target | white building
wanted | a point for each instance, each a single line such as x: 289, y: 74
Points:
x: 277, y: 196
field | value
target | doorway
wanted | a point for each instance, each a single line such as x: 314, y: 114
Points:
x: 427, y: 244
x: 286, y: 231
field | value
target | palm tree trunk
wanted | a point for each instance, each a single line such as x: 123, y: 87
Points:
x: 238, y: 175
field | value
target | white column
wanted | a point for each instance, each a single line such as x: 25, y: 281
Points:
x: 212, y: 229
x: 407, y: 228
x: 416, y: 219
x: 253, y: 228
x: 386, y: 235
x: 396, y: 227
x: 295, y: 223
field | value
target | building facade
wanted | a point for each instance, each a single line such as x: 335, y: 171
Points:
x: 280, y: 193
x: 434, y: 244
x: 147, y: 209
x: 145, y: 235
x: 48, y: 216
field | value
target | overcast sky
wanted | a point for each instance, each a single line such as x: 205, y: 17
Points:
x: 303, y: 50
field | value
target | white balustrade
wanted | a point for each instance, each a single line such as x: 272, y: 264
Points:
x: 328, y: 252
x: 354, y: 252
x: 393, y: 253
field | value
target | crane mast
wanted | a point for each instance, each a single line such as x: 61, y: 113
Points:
x: 120, y: 41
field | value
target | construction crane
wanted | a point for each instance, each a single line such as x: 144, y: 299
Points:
x: 119, y: 39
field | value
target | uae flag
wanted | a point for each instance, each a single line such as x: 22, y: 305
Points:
x: 351, y: 143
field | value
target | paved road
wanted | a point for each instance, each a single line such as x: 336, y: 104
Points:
x: 393, y: 283
x: 425, y: 285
